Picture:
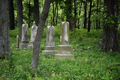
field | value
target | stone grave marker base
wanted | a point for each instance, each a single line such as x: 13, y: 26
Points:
x: 49, y: 50
x: 30, y: 45
x: 64, y: 51
x: 64, y: 56
x: 23, y: 44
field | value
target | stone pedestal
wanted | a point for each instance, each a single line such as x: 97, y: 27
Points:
x: 17, y: 40
x: 30, y: 45
x: 49, y: 50
x: 64, y: 56
x: 33, y: 36
x: 50, y: 44
x: 24, y: 42
x: 64, y: 49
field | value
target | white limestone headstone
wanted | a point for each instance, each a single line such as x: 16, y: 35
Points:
x: 33, y: 35
x: 24, y: 41
x: 17, y: 40
x: 50, y: 43
x: 64, y: 34
x: 64, y: 49
x: 50, y: 36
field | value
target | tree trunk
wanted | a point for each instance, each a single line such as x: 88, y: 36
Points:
x: 36, y: 11
x: 11, y: 15
x: 20, y: 17
x: 97, y: 18
x: 79, y: 15
x: 109, y: 40
x: 29, y: 14
x: 68, y: 4
x: 89, y: 22
x: 56, y: 12
x: 4, y: 29
x: 85, y: 14
x: 75, y: 11
x: 53, y: 19
x: 36, y: 48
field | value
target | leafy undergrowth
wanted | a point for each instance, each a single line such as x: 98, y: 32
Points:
x: 89, y: 63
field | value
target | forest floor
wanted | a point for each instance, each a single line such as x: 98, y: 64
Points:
x: 88, y: 64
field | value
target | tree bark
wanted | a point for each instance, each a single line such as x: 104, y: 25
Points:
x: 75, y: 11
x: 11, y: 15
x: 85, y: 14
x: 79, y: 15
x: 4, y: 29
x: 56, y: 12
x: 29, y: 13
x: 20, y: 17
x: 89, y: 22
x: 36, y: 11
x: 53, y: 19
x: 69, y: 18
x: 36, y: 48
x: 109, y: 40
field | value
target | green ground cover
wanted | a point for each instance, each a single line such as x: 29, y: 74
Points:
x: 88, y: 64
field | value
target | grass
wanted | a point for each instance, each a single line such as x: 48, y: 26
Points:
x: 88, y: 64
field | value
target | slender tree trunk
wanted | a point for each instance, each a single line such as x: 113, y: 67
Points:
x: 4, y: 29
x: 75, y: 11
x: 53, y: 19
x: 97, y: 14
x: 20, y: 17
x: 97, y: 18
x: 36, y: 48
x: 68, y: 4
x: 62, y: 16
x: 29, y: 14
x: 100, y: 4
x: 11, y: 15
x: 89, y: 22
x: 36, y: 11
x: 85, y: 14
x: 79, y: 15
x: 109, y: 41
x: 56, y: 12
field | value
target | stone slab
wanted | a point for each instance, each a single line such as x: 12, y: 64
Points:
x: 49, y: 52
x: 24, y: 44
x: 64, y: 49
x: 30, y: 45
x: 64, y: 56
x: 50, y: 48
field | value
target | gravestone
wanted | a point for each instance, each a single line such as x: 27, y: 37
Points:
x: 33, y: 35
x: 64, y: 49
x: 50, y: 43
x: 17, y: 40
x: 24, y: 42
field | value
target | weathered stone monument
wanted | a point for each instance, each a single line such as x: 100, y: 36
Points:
x: 17, y: 40
x: 24, y: 42
x: 64, y: 49
x: 33, y: 35
x: 50, y: 43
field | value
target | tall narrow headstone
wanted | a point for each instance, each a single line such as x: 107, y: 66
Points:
x: 33, y: 35
x: 17, y: 40
x: 64, y: 49
x: 50, y: 43
x: 24, y: 41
